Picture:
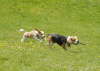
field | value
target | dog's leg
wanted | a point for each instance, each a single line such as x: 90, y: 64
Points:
x: 68, y: 45
x: 23, y: 39
x: 64, y: 46
x: 35, y: 37
x: 50, y: 44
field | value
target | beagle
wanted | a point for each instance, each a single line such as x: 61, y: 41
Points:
x: 34, y: 34
x: 62, y: 40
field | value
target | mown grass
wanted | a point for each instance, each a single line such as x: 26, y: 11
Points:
x: 66, y: 17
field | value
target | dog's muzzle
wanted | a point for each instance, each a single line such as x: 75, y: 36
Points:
x: 76, y: 42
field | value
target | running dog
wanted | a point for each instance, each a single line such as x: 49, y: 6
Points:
x: 62, y: 40
x: 34, y: 34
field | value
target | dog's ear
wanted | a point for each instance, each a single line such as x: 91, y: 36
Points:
x: 72, y: 39
x: 38, y: 30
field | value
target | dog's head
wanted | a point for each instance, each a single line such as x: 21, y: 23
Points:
x: 40, y: 33
x: 73, y: 40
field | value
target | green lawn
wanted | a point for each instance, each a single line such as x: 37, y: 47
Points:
x: 66, y: 17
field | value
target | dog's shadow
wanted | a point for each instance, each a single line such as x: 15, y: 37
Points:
x: 75, y: 51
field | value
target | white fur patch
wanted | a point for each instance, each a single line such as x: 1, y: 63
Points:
x: 21, y: 30
x: 68, y: 39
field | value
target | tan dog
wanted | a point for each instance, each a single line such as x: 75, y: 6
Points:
x: 34, y: 34
x: 62, y: 40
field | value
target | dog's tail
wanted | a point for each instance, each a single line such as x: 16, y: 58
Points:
x: 21, y: 30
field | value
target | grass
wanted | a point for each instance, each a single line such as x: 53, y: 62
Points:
x: 66, y: 17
